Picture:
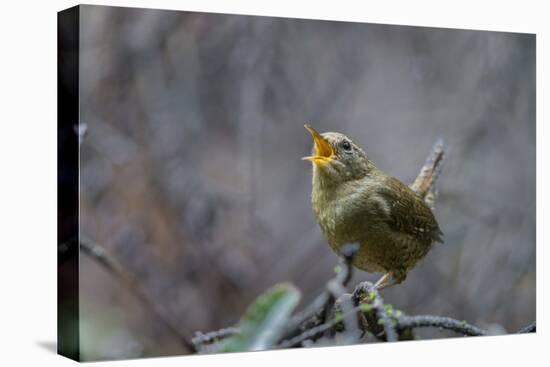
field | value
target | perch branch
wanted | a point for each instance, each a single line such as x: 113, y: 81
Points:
x: 100, y: 254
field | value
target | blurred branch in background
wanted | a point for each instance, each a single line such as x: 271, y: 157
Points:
x: 100, y: 254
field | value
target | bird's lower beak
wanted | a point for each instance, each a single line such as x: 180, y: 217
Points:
x: 322, y: 151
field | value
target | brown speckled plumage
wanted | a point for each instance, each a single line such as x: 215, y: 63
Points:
x: 355, y: 202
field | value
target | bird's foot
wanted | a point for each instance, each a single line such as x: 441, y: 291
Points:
x: 390, y: 279
x: 385, y: 281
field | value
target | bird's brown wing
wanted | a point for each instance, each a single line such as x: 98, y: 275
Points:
x: 408, y: 213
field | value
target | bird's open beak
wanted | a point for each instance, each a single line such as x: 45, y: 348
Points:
x: 322, y: 152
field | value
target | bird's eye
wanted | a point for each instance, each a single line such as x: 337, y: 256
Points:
x: 346, y: 145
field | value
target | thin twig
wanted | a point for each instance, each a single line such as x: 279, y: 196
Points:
x: 313, y: 333
x: 344, y: 309
x: 100, y: 254
x: 317, y: 331
x: 317, y: 312
x: 336, y: 287
x: 301, y: 318
x: 462, y: 327
x: 200, y: 339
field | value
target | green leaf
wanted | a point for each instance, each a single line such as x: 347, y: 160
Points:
x: 264, y: 320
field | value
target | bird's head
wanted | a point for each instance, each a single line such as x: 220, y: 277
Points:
x: 337, y: 158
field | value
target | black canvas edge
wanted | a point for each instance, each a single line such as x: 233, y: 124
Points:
x: 68, y: 43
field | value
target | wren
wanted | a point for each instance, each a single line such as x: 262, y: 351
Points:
x: 355, y: 202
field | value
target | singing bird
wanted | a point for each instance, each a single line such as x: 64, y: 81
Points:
x: 355, y: 202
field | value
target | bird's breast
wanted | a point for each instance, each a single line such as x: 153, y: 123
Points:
x: 341, y: 224
x: 339, y: 232
x: 331, y: 216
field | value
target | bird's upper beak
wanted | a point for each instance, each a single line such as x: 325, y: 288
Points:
x: 322, y: 152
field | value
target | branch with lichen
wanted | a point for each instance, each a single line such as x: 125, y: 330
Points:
x: 336, y: 317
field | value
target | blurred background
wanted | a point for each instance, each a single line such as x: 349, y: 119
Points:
x: 191, y: 174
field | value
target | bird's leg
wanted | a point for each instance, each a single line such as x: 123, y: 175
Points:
x: 384, y: 281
